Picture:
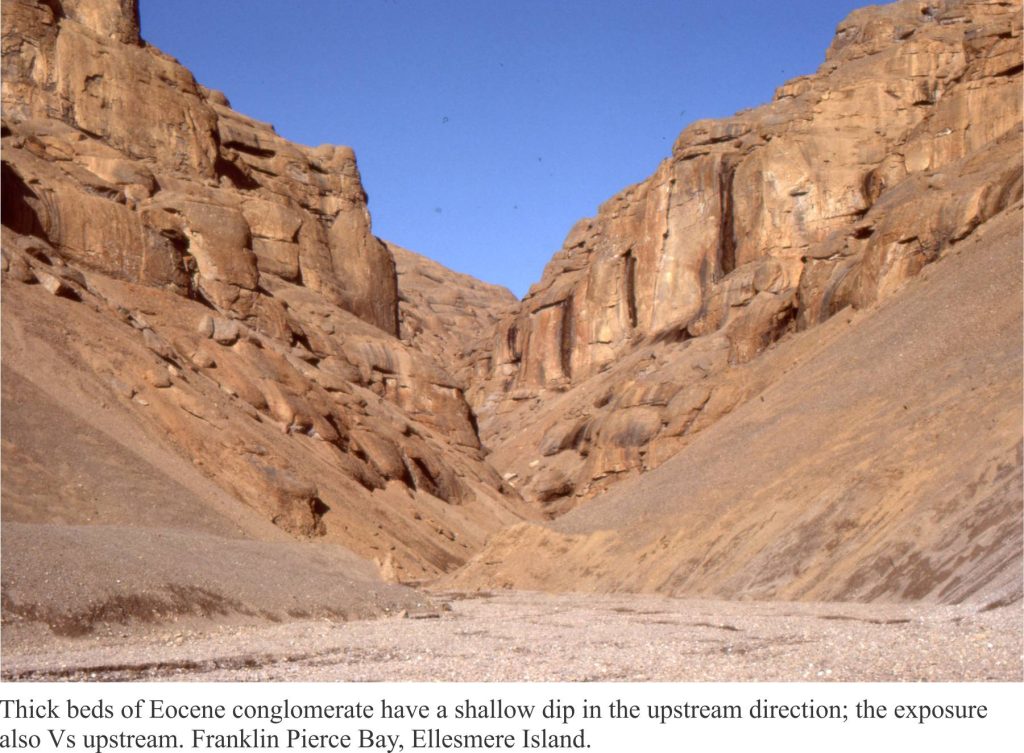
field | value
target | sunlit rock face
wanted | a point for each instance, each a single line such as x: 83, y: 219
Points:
x: 229, y: 286
x: 132, y: 125
x: 769, y: 222
x: 221, y: 288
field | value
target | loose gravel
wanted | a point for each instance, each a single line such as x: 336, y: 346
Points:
x: 522, y: 636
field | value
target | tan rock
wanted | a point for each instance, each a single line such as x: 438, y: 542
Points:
x: 52, y: 284
x: 206, y: 326
x: 225, y: 331
x: 850, y: 182
x: 279, y: 258
x: 853, y: 477
x: 158, y: 378
x: 447, y: 315
x: 299, y: 508
x: 306, y: 349
x: 363, y: 270
x: 271, y: 220
x: 247, y: 262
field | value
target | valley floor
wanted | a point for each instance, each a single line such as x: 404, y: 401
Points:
x: 524, y: 636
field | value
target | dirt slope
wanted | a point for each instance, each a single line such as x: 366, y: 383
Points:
x: 223, y: 287
x: 105, y: 524
x: 883, y: 462
x: 204, y: 390
x: 224, y: 397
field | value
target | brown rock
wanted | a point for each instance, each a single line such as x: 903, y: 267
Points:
x: 206, y: 326
x: 244, y: 256
x: 225, y: 331
x: 446, y: 315
x: 319, y: 352
x: 279, y: 258
x: 158, y: 378
x: 117, y: 103
x: 551, y: 484
x: 850, y: 182
x: 827, y: 486
x: 53, y: 284
x: 272, y: 220
x: 299, y: 508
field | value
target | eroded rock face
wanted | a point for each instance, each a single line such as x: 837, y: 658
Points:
x: 847, y: 184
x: 222, y: 288
x: 229, y: 292
x: 211, y: 193
x: 447, y: 315
x: 881, y: 460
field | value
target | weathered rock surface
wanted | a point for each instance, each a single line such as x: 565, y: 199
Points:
x: 201, y: 333
x: 220, y: 289
x: 111, y: 140
x: 767, y: 223
x: 447, y: 315
x: 879, y: 460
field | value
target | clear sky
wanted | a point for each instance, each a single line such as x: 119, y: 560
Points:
x: 484, y: 129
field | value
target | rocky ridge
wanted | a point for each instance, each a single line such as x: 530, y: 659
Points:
x: 824, y: 485
x: 847, y: 184
x: 192, y: 297
x: 224, y: 287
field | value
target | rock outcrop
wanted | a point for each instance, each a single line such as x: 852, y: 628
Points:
x: 879, y: 461
x: 767, y: 223
x: 222, y: 285
x: 203, y: 338
x: 446, y: 315
x: 200, y: 199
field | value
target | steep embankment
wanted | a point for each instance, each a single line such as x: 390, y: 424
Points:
x: 881, y: 461
x: 847, y: 184
x: 822, y: 414
x: 206, y: 347
x: 201, y: 336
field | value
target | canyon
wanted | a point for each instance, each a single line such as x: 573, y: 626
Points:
x: 784, y: 367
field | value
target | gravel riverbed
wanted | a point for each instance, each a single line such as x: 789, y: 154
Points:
x: 523, y: 636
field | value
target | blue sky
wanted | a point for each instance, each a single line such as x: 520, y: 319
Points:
x: 484, y: 129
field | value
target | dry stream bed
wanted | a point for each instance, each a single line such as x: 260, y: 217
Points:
x: 524, y: 636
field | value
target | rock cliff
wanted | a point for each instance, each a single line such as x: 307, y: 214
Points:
x: 220, y: 287
x: 202, y: 334
x: 879, y: 460
x: 848, y: 183
x: 732, y: 326
x: 447, y: 315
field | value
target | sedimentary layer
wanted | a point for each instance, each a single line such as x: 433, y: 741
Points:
x: 847, y: 184
x: 192, y: 290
